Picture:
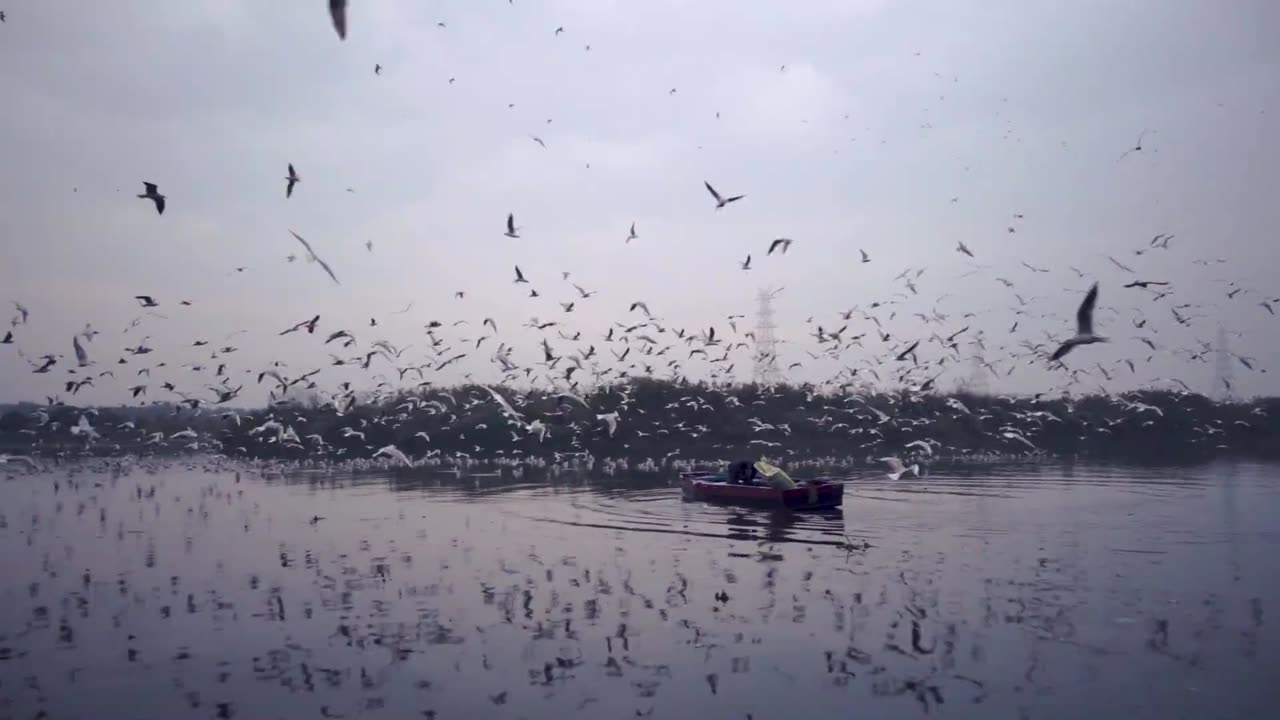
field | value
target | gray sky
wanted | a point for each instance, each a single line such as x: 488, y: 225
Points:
x: 884, y: 112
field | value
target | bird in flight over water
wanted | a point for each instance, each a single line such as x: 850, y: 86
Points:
x: 1084, y: 326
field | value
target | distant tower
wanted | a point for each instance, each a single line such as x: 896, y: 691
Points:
x: 1223, y: 371
x: 766, y: 370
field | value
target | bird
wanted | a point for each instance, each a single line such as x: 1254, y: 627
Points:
x: 610, y: 420
x: 1084, y: 326
x: 338, y: 13
x: 153, y: 194
x: 784, y: 243
x: 8, y: 338
x: 865, y: 257
x: 631, y: 235
x: 511, y: 226
x: 897, y: 469
x: 377, y: 69
x: 312, y: 255
x: 538, y: 140
x: 146, y: 301
x: 961, y: 247
x: 82, y: 357
x: 746, y: 264
x: 1137, y: 147
x: 292, y: 179
x: 721, y: 201
x: 519, y: 276
x: 1144, y: 283
x: 394, y: 453
x: 5, y: 459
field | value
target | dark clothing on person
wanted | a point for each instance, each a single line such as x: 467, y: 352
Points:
x: 742, y: 472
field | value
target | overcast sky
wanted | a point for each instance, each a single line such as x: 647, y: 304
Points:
x: 898, y: 128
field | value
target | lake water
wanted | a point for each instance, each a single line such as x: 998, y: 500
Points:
x: 1030, y: 591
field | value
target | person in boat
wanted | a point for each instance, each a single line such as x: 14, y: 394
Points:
x: 743, y: 472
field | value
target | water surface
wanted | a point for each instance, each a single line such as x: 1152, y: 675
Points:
x: 1015, y: 591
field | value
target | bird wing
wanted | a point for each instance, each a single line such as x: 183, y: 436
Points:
x: 1084, y: 316
x: 82, y: 357
x: 511, y: 223
x: 394, y: 453
x: 159, y: 204
x: 519, y: 275
x: 1062, y: 350
x: 338, y: 12
x: 150, y: 188
x: 713, y: 192
x: 305, y: 244
x: 329, y: 270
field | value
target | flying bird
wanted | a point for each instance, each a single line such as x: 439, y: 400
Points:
x: 746, y: 264
x: 338, y: 12
x: 538, y: 140
x: 146, y: 301
x: 1144, y: 284
x: 292, y: 179
x: 312, y: 255
x: 631, y: 235
x: 1137, y: 147
x: 721, y: 201
x: 394, y: 453
x: 82, y: 357
x: 1084, y: 326
x: 865, y: 257
x: 153, y: 194
x: 784, y: 243
x: 897, y: 469
x: 511, y: 226
x: 519, y: 276
x: 962, y: 248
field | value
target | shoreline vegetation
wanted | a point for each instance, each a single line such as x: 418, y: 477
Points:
x: 663, y: 422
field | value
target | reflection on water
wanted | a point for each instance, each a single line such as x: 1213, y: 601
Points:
x: 1015, y: 591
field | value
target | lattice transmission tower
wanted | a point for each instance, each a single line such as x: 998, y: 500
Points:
x: 1223, y: 371
x: 766, y: 350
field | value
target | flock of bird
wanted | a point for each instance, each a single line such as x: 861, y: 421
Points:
x: 570, y: 366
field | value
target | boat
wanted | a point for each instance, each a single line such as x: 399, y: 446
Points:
x: 715, y: 487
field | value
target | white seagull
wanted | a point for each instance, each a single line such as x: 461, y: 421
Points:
x: 394, y: 453
x: 897, y: 469
x: 1084, y: 326
x: 82, y: 357
x: 312, y: 255
x: 721, y: 201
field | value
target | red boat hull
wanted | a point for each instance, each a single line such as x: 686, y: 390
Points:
x: 816, y: 495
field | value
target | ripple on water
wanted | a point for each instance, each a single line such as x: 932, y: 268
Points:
x: 984, y: 592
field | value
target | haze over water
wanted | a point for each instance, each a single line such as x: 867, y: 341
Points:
x: 1039, y: 591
